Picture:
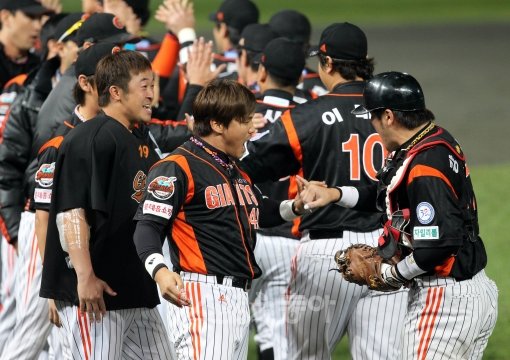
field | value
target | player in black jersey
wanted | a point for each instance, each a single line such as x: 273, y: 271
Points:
x: 104, y: 297
x: 210, y: 211
x: 426, y: 191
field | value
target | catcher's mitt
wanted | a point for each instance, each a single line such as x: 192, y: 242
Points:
x: 362, y: 265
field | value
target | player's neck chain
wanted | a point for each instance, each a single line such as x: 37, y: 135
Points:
x: 228, y: 167
x: 420, y: 136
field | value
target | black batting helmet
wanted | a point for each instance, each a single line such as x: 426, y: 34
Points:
x: 392, y: 90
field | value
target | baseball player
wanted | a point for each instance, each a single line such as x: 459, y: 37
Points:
x: 210, y: 211
x: 324, y: 141
x: 426, y: 191
x: 105, y: 299
x: 281, y: 64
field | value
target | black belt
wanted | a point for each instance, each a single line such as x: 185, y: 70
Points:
x: 326, y: 234
x: 241, y: 283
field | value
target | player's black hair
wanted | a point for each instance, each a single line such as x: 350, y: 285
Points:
x: 223, y: 101
x: 350, y: 69
x: 79, y: 94
x: 117, y: 70
x: 281, y: 82
x: 408, y: 119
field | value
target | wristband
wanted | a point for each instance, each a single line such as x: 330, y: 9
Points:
x: 286, y: 211
x: 408, y: 268
x: 153, y: 263
x: 350, y: 196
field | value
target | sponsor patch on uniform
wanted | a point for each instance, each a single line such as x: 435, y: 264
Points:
x: 44, y: 175
x: 162, y: 187
x: 425, y: 213
x: 426, y: 233
x: 42, y: 196
x: 157, y: 209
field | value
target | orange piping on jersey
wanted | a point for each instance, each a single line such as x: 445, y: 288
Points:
x: 200, y: 317
x: 311, y: 76
x: 4, y: 231
x: 173, y: 123
x: 235, y: 208
x: 423, y: 170
x: 314, y: 95
x: 293, y: 190
x: 348, y: 95
x: 292, y: 136
x: 166, y: 58
x: 276, y: 106
x: 446, y: 267
x: 19, y: 79
x: 437, y: 294
x: 2, y: 127
x: 55, y: 142
x: 69, y: 125
x: 190, y: 256
x: 192, y: 315
x: 182, y: 86
x: 244, y: 175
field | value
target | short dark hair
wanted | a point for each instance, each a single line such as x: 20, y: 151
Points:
x: 282, y: 82
x: 117, y: 69
x: 78, y: 93
x: 350, y: 69
x: 408, y: 119
x: 223, y: 101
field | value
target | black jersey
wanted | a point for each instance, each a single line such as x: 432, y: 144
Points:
x: 10, y: 69
x: 46, y: 158
x: 323, y: 140
x: 433, y: 182
x: 273, y: 104
x: 101, y: 167
x: 211, y: 216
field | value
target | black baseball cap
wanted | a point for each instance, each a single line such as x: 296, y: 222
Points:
x: 256, y: 37
x: 283, y: 58
x: 103, y: 27
x: 29, y: 7
x: 343, y: 41
x: 88, y: 58
x: 292, y: 25
x: 67, y: 28
x: 236, y: 13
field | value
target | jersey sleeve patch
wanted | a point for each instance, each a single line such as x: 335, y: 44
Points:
x: 426, y: 233
x: 425, y: 213
x: 157, y: 209
x: 42, y: 196
x: 44, y: 175
x: 162, y: 187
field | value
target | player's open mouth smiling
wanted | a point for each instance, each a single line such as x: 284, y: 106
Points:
x: 148, y: 108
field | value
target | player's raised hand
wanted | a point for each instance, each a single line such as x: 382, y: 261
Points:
x: 171, y: 287
x: 259, y: 121
x: 316, y: 194
x: 90, y: 294
x: 200, y: 59
x: 176, y: 15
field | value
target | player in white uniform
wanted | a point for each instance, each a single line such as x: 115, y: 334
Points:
x: 322, y: 140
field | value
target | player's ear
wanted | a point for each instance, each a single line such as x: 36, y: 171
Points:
x: 216, y: 126
x: 261, y: 74
x: 115, y: 92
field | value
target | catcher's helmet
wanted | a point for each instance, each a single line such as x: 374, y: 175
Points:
x: 392, y: 90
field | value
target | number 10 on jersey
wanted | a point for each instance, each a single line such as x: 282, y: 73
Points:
x: 363, y: 155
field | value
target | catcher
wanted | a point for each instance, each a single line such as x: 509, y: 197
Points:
x: 431, y: 240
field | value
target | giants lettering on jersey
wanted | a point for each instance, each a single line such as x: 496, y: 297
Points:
x: 221, y: 195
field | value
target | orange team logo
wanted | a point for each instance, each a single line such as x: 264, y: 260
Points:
x: 323, y: 48
x: 222, y: 298
x: 162, y: 187
x: 44, y: 175
x: 117, y: 23
x: 139, y: 185
x: 115, y: 50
